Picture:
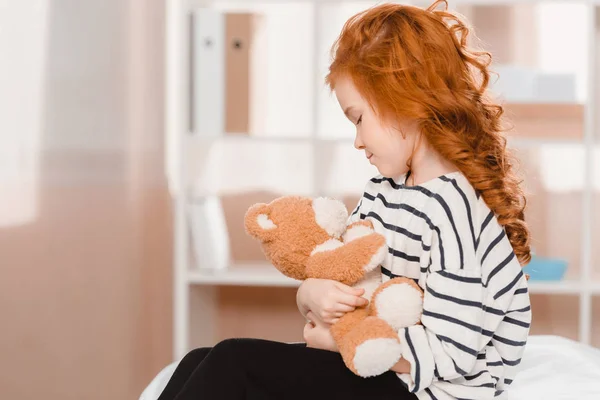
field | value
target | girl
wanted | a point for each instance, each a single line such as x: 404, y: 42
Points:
x: 450, y: 206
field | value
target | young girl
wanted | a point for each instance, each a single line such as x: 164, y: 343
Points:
x: 450, y: 206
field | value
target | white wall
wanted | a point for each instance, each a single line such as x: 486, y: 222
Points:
x: 85, y: 265
x: 23, y: 35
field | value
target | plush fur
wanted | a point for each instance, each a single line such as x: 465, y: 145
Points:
x: 305, y: 238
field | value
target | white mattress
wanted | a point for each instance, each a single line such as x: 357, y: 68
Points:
x: 553, y: 368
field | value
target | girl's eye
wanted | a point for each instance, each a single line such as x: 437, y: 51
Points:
x: 359, y: 120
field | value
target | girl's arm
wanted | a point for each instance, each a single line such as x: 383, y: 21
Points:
x: 318, y: 335
x: 464, y: 309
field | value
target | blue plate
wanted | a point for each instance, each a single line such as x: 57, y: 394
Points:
x: 546, y: 269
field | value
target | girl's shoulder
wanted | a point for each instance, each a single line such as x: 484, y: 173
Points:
x: 455, y: 199
x: 444, y: 199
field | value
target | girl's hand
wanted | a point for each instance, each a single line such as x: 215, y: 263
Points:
x: 318, y: 336
x: 328, y: 300
x: 401, y: 367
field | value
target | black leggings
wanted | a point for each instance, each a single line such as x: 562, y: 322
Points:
x: 254, y: 369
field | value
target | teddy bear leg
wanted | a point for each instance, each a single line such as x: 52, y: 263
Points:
x: 371, y: 348
x: 351, y: 319
x: 399, y: 302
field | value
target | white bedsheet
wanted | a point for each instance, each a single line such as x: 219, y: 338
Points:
x: 556, y: 368
x: 553, y: 368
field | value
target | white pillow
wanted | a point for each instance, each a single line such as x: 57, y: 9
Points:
x: 158, y: 384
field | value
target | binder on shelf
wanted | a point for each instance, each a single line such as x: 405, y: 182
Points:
x: 208, y: 72
x: 228, y: 75
x: 209, y: 233
x: 244, y: 73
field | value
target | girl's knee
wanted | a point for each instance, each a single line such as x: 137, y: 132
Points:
x: 196, y: 355
x: 239, y: 348
x: 226, y: 346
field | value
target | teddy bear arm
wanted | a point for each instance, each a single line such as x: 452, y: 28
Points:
x: 348, y: 262
x: 357, y: 229
x: 361, y: 222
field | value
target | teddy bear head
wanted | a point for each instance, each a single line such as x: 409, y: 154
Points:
x: 291, y: 227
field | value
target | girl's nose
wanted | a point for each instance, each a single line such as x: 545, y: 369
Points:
x: 358, y: 144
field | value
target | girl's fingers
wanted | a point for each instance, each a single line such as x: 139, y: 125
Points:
x: 352, y: 301
x: 343, y: 308
x: 333, y: 318
x: 349, y: 289
x: 316, y: 319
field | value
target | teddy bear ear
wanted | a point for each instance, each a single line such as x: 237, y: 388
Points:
x: 331, y: 215
x: 258, y: 223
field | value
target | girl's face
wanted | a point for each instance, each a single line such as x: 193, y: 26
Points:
x: 387, y: 147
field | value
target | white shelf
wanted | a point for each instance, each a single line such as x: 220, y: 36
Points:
x: 264, y: 274
x: 246, y: 137
x: 513, y: 140
x: 259, y: 274
x: 558, y: 287
x: 532, y: 142
x: 452, y: 3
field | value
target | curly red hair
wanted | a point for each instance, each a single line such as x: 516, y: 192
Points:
x: 414, y: 63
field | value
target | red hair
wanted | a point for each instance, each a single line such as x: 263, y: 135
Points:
x: 414, y: 63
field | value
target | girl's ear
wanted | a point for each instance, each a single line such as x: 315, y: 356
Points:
x: 258, y: 223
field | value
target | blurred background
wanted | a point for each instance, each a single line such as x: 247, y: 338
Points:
x: 135, y: 134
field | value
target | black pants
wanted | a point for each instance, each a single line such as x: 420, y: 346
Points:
x: 253, y: 369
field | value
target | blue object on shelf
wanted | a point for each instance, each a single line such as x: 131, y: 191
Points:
x: 546, y: 269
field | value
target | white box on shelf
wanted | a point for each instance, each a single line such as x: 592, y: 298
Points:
x: 208, y: 72
x: 513, y: 83
x: 555, y: 87
x: 210, y: 238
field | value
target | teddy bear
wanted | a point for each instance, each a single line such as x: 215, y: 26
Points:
x: 309, y: 238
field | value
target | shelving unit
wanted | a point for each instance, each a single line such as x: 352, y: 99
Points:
x: 243, y: 275
x: 265, y: 275
x: 195, y: 290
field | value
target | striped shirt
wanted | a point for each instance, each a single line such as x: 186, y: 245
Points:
x: 476, y: 309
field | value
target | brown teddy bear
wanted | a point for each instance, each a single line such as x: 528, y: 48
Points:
x: 305, y: 238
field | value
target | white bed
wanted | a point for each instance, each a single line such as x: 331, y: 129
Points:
x: 553, y: 368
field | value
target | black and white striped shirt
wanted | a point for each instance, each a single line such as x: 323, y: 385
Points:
x: 477, y: 312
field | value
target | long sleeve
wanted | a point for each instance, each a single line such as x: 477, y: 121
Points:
x: 446, y: 344
x: 475, y: 315
x: 476, y: 311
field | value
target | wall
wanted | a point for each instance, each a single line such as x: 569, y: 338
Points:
x: 85, y: 294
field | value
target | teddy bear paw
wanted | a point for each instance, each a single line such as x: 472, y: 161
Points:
x: 379, y: 257
x: 376, y: 356
x: 400, y: 305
